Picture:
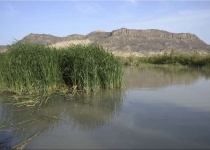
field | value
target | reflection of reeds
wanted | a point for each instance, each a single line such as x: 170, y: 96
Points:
x: 23, y: 144
x: 28, y: 68
x: 83, y: 111
x: 157, y: 76
x: 100, y: 109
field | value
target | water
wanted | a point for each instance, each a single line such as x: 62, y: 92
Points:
x: 159, y: 108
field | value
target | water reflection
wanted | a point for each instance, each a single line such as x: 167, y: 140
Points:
x: 176, y: 116
x: 160, y: 76
x: 87, y: 112
x: 83, y: 112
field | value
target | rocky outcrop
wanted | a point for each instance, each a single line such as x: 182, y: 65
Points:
x: 97, y: 36
x: 2, y: 48
x: 153, y: 41
x: 46, y: 39
x: 130, y: 41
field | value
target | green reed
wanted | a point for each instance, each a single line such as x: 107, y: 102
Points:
x: 171, y: 58
x: 30, y: 68
x: 35, y: 68
x: 89, y: 67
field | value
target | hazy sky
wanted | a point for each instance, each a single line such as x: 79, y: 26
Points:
x: 20, y: 18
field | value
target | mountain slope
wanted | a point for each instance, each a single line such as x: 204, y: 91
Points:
x: 130, y: 41
x: 2, y: 48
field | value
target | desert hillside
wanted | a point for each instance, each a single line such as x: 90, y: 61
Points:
x: 2, y: 48
x: 127, y: 42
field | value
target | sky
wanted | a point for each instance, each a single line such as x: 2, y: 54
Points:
x: 63, y: 18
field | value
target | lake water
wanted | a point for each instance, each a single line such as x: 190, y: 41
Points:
x: 158, y: 108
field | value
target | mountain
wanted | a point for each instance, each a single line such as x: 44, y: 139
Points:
x: 2, y: 48
x: 129, y: 41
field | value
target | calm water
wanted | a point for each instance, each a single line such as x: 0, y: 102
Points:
x: 159, y: 108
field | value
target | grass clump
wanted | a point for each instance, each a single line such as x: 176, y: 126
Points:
x: 35, y: 68
x: 89, y: 67
x: 29, y: 68
x: 171, y: 58
x: 195, y: 59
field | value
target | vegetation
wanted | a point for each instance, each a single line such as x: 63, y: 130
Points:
x: 171, y: 58
x: 89, y: 67
x: 28, y: 68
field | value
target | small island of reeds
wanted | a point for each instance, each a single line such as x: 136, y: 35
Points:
x: 28, y: 68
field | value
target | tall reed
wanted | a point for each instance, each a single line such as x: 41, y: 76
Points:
x: 30, y: 68
x: 36, y: 68
x: 90, y: 67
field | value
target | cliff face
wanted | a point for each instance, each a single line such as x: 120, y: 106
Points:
x: 146, y: 41
x: 141, y: 42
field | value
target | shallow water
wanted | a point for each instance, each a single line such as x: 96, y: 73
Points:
x: 160, y: 107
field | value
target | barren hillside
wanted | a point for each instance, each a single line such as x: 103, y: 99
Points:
x: 129, y: 41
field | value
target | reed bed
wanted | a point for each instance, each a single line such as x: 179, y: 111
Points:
x: 89, y: 67
x: 28, y: 68
x: 171, y: 58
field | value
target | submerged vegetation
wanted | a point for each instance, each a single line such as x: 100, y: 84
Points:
x: 171, y: 58
x: 28, y: 68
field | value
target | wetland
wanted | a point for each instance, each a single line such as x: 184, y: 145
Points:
x: 158, y: 107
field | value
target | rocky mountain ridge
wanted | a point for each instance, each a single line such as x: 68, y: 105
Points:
x: 129, y: 41
x: 3, y: 48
